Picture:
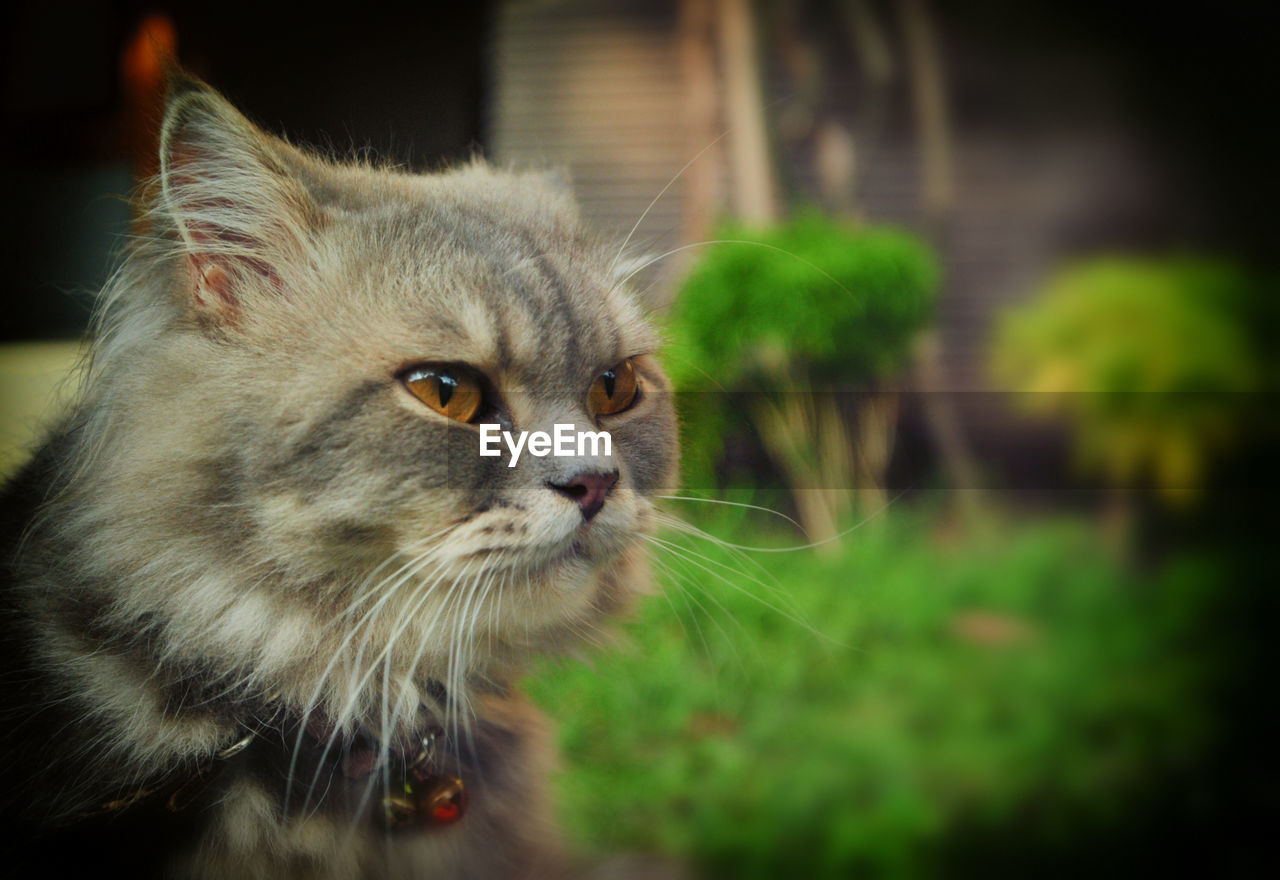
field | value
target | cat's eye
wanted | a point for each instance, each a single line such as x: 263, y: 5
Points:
x: 614, y: 390
x: 451, y: 390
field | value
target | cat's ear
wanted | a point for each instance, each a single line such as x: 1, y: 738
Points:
x: 242, y: 217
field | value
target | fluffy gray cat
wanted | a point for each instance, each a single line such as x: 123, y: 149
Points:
x: 265, y: 603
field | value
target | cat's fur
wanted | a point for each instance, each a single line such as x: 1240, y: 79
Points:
x: 248, y: 524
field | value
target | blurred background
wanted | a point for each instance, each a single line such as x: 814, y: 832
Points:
x: 970, y: 307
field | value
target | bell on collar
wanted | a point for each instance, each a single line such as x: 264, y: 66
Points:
x: 442, y: 801
x: 427, y: 799
x: 425, y: 802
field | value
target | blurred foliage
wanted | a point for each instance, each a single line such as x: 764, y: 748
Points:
x: 879, y: 712
x: 814, y: 304
x: 1157, y: 364
x: 836, y: 302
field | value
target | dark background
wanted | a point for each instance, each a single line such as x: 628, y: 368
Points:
x: 405, y: 83
x: 408, y: 82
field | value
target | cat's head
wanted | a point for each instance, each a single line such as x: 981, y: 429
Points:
x: 296, y: 365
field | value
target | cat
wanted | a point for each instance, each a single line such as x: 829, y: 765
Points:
x: 266, y: 606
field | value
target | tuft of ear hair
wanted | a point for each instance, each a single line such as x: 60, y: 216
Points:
x: 243, y: 218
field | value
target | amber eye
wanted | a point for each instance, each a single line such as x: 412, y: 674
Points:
x: 453, y: 391
x: 613, y: 390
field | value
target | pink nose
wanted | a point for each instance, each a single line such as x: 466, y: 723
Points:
x: 589, y: 490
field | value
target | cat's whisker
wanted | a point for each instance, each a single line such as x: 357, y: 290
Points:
x: 459, y: 663
x: 363, y: 592
x: 693, y: 558
x: 421, y: 595
x: 492, y: 617
x: 384, y: 744
x: 693, y: 586
x: 389, y: 587
x: 386, y: 590
x: 387, y: 730
x: 450, y: 615
x: 738, y: 554
x: 687, y: 592
x: 465, y: 714
x: 357, y: 680
x: 722, y: 501
x: 665, y: 573
x: 713, y: 380
x: 670, y: 183
x: 684, y: 247
x: 365, y: 624
x: 685, y: 528
x: 691, y: 531
x: 798, y: 547
x: 668, y: 573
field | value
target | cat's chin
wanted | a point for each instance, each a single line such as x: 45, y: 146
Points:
x: 581, y: 549
x: 561, y: 589
x: 552, y: 597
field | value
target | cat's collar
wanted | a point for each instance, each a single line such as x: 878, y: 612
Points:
x: 420, y: 795
x: 175, y: 793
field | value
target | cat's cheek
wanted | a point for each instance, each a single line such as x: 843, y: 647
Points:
x: 649, y: 446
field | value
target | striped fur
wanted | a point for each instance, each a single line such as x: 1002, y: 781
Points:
x: 247, y: 519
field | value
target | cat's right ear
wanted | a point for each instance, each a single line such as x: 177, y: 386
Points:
x: 242, y: 218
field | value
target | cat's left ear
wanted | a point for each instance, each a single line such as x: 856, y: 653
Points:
x: 242, y: 216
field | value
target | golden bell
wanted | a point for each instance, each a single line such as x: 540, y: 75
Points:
x: 398, y: 812
x: 441, y: 802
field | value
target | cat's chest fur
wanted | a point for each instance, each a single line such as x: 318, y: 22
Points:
x: 267, y: 520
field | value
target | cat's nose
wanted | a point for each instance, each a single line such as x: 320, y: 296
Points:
x: 589, y: 490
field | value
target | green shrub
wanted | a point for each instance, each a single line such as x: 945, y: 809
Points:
x: 874, y: 712
x: 810, y: 306
x: 1155, y: 363
x: 814, y: 298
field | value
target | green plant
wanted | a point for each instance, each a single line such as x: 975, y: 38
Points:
x: 872, y: 712
x: 1154, y: 362
x: 769, y: 321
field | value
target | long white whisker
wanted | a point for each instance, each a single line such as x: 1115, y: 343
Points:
x: 685, y: 585
x: 388, y: 724
x: 692, y: 558
x: 768, y: 510
x: 388, y: 590
x: 482, y: 591
x: 684, y: 528
x: 466, y: 641
x: 422, y: 593
x: 687, y: 596
x: 661, y: 193
x: 853, y: 528
x: 684, y: 247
